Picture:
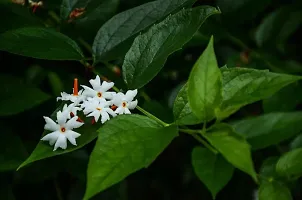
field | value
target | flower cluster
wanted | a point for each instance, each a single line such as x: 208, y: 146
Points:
x: 96, y: 101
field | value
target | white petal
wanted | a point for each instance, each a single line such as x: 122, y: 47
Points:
x: 119, y: 110
x: 61, y: 142
x: 62, y: 117
x: 70, y: 137
x: 105, y: 117
x: 132, y: 104
x: 111, y: 112
x: 117, y: 98
x: 51, y: 137
x: 73, y: 123
x: 107, y: 85
x: 96, y: 114
x: 88, y: 91
x: 50, y: 124
x: 108, y: 95
x: 96, y: 83
x: 130, y: 94
x: 127, y: 111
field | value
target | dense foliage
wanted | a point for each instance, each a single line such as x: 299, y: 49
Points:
x: 213, y: 90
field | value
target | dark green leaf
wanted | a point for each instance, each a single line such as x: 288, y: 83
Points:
x: 204, y: 85
x: 274, y: 191
x: 44, y: 150
x: 150, y: 50
x: 278, y: 26
x: 296, y: 143
x: 213, y: 170
x: 40, y: 43
x: 268, y: 169
x: 116, y: 35
x: 269, y: 129
x: 125, y: 144
x: 12, y: 151
x: 284, y: 100
x: 242, y: 86
x: 18, y: 96
x: 183, y: 114
x: 233, y: 147
x: 290, y: 164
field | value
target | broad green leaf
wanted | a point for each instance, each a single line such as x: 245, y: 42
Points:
x: 242, y: 86
x: 183, y: 114
x: 268, y: 170
x: 40, y: 43
x: 212, y: 169
x: 290, y: 164
x: 277, y: 26
x: 204, y: 85
x: 284, y: 100
x: 12, y: 151
x: 115, y: 37
x: 233, y: 147
x: 142, y: 63
x: 43, y: 150
x: 125, y: 144
x: 296, y: 143
x: 68, y: 6
x: 18, y: 96
x: 269, y: 129
x: 274, y: 191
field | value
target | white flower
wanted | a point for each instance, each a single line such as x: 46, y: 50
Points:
x: 71, y: 108
x: 98, y: 107
x: 62, y: 130
x: 124, y: 102
x: 99, y: 90
x: 71, y: 97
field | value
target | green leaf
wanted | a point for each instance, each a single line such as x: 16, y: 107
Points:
x: 142, y: 63
x: 242, y: 86
x: 274, y: 191
x: 296, y: 143
x: 69, y: 5
x: 183, y: 114
x: 115, y: 37
x: 40, y: 43
x: 213, y: 170
x: 18, y: 96
x: 284, y: 100
x: 269, y: 129
x: 233, y: 147
x: 43, y: 150
x: 278, y: 26
x: 290, y: 164
x: 268, y: 170
x: 204, y: 85
x: 125, y: 144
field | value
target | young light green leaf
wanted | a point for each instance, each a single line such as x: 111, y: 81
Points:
x: 183, y: 114
x: 212, y: 169
x: 125, y: 144
x: 242, y: 86
x: 40, y: 43
x: 204, y: 85
x: 233, y: 147
x: 43, y: 150
x: 274, y: 191
x: 115, y: 37
x: 150, y: 50
x: 269, y: 129
x: 290, y: 164
x: 18, y: 96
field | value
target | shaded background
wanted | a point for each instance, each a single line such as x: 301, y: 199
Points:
x: 261, y: 34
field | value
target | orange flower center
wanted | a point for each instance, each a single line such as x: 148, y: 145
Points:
x: 99, y: 109
x: 63, y: 129
x: 124, y: 104
x: 99, y: 94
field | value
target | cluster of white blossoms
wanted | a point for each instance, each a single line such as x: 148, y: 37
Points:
x: 97, y: 102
